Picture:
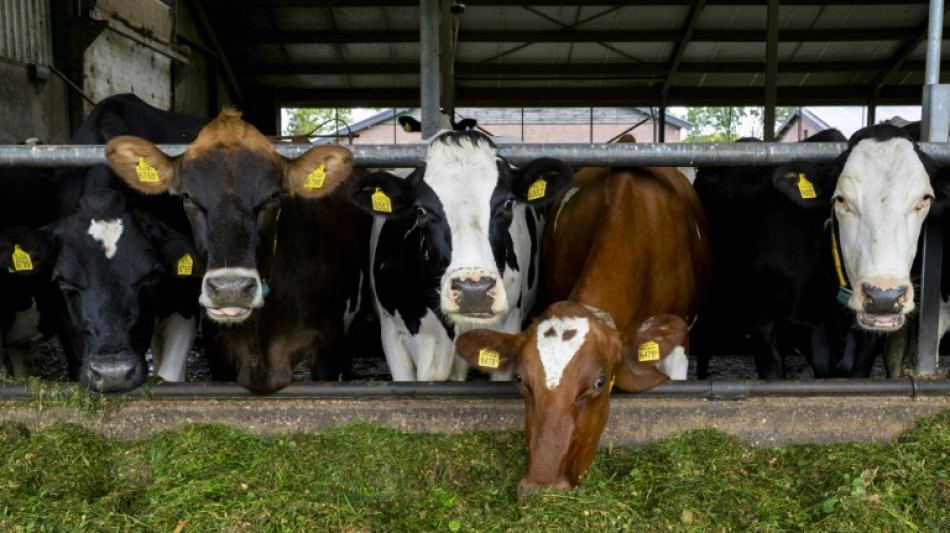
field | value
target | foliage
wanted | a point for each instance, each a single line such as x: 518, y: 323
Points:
x: 306, y: 121
x: 367, y: 478
x: 726, y: 124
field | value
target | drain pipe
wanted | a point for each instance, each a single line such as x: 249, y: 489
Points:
x: 713, y: 389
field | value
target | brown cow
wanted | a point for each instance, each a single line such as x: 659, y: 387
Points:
x: 632, y: 243
x: 263, y: 224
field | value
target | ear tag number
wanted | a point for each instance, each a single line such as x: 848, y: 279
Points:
x: 146, y: 172
x: 648, y: 351
x: 537, y: 189
x: 488, y: 358
x: 316, y: 178
x: 381, y: 202
x: 185, y: 265
x: 805, y: 187
x: 21, y: 259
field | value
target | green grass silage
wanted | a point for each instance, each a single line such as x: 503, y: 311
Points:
x: 366, y: 478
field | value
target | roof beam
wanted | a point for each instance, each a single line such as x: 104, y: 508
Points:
x: 560, y: 36
x: 606, y: 97
x: 677, y: 56
x: 902, y: 53
x: 510, y: 71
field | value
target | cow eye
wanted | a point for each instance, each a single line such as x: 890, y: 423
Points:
x: 68, y: 288
x: 274, y: 195
x: 517, y: 378
x: 509, y: 203
x: 421, y: 211
x: 599, y: 384
x: 839, y: 199
x: 928, y: 197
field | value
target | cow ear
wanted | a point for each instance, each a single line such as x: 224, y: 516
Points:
x: 176, y: 251
x: 26, y: 251
x: 142, y: 165
x: 541, y: 180
x: 652, y: 342
x: 318, y: 171
x: 410, y: 124
x: 382, y: 193
x: 802, y: 184
x: 489, y: 351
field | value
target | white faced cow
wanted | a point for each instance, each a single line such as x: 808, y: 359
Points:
x: 882, y: 194
x: 454, y: 247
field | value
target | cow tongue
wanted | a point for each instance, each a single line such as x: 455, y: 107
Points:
x: 882, y: 321
x: 228, y: 311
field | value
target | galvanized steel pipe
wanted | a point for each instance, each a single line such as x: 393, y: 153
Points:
x: 409, y: 155
x: 713, y: 389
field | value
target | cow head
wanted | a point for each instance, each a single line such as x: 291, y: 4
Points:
x: 110, y: 262
x: 461, y: 205
x: 231, y: 181
x: 567, y: 361
x: 882, y: 194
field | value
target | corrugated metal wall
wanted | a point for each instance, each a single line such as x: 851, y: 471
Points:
x: 25, y: 31
x: 199, y: 88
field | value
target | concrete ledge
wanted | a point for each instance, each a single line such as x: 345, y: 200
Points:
x: 763, y: 422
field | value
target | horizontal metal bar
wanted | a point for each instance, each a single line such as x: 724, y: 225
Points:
x: 604, y: 155
x: 714, y: 389
x: 256, y: 4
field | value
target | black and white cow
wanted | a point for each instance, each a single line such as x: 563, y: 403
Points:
x: 454, y: 247
x: 120, y: 270
x: 778, y: 241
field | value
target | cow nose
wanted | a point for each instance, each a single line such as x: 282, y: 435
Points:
x: 112, y: 373
x: 231, y: 288
x: 880, y: 301
x: 474, y: 296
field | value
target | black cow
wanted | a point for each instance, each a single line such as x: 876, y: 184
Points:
x: 119, y: 270
x: 282, y: 251
x: 774, y: 282
x: 91, y: 199
x: 25, y: 194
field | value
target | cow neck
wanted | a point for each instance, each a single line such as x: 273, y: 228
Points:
x: 844, y: 285
x: 265, y: 288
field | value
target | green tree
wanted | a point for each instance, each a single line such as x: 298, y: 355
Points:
x: 306, y: 121
x: 726, y: 124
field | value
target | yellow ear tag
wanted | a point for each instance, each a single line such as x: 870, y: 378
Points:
x: 185, y: 265
x: 537, y: 189
x: 381, y: 202
x: 488, y: 358
x: 648, y: 351
x: 805, y: 187
x: 612, y: 380
x: 21, y: 259
x: 316, y: 178
x: 406, y: 127
x: 146, y: 172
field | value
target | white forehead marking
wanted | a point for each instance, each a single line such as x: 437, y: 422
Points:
x: 107, y: 232
x: 556, y: 352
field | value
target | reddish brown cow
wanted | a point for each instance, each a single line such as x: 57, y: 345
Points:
x: 632, y: 243
x: 264, y: 224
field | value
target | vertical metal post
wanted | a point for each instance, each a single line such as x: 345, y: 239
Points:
x: 659, y: 126
x: 771, y: 71
x: 934, y: 128
x: 429, y: 66
x: 872, y: 111
x: 447, y: 57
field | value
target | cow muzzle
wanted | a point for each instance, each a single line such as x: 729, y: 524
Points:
x: 117, y: 372
x: 884, y: 305
x: 474, y: 294
x: 230, y: 294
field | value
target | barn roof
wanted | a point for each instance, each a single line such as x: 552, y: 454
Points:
x: 558, y: 53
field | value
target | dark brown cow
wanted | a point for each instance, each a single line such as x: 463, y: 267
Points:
x: 629, y: 242
x: 263, y: 224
